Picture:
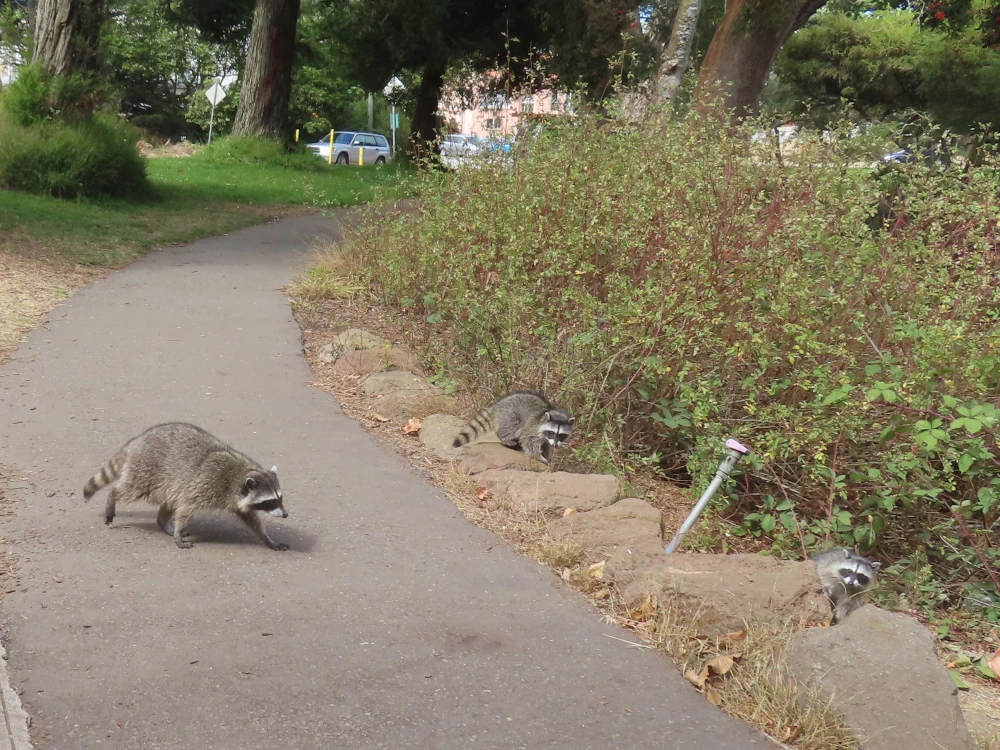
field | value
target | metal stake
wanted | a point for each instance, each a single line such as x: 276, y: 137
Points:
x: 736, y: 452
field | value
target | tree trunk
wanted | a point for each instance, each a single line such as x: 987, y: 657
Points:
x: 267, y: 75
x: 68, y: 35
x: 677, y: 55
x: 744, y: 48
x: 424, y: 125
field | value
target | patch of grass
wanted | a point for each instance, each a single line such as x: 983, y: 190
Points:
x: 745, y: 671
x: 194, y: 197
x: 331, y: 275
x: 561, y: 556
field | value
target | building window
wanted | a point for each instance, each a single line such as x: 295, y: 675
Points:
x: 493, y: 123
x: 495, y: 101
x: 528, y: 105
x: 555, y: 100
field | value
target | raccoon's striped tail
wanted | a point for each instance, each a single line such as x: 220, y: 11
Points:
x: 482, y: 423
x: 108, y: 473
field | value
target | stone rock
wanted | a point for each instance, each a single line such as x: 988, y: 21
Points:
x: 353, y: 339
x: 880, y: 671
x: 382, y: 383
x: 480, y: 457
x: 367, y: 361
x: 437, y: 433
x: 533, y: 492
x: 721, y: 592
x: 401, y: 405
x: 629, y: 527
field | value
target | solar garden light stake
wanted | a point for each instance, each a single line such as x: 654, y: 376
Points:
x: 736, y: 452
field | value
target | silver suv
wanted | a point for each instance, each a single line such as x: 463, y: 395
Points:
x: 347, y: 145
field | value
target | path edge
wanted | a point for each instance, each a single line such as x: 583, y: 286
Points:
x: 15, y: 717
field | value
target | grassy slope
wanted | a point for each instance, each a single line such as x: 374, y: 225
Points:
x: 195, y: 198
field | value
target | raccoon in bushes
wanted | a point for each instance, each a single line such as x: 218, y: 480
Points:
x: 525, y: 421
x: 845, y: 576
x: 184, y: 469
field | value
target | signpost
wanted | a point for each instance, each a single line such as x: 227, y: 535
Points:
x: 390, y: 91
x: 215, y: 95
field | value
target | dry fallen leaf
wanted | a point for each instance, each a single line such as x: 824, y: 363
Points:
x: 569, y: 512
x: 994, y: 664
x: 566, y: 573
x: 721, y: 665
x: 790, y: 734
x: 713, y: 695
x: 602, y: 594
x: 596, y: 570
x: 644, y: 611
x: 482, y: 494
x: 378, y: 417
x: 698, y: 680
x: 412, y: 426
x: 731, y: 639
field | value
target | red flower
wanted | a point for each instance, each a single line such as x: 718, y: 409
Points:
x: 939, y: 16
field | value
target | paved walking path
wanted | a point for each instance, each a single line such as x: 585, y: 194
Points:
x: 391, y: 623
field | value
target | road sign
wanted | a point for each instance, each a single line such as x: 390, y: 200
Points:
x: 395, y: 120
x: 215, y: 94
x: 393, y: 86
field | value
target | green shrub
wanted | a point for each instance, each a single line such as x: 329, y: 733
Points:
x: 256, y: 151
x: 676, y: 284
x: 35, y: 97
x: 92, y: 158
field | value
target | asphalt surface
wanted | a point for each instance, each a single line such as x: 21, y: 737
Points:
x: 391, y: 623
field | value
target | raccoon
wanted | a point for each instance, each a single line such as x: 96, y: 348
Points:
x: 184, y: 469
x: 845, y: 576
x: 523, y: 420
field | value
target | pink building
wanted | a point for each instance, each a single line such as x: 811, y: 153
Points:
x: 495, y: 115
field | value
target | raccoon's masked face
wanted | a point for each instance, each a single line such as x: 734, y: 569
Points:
x: 557, y: 428
x: 262, y: 492
x: 857, y: 574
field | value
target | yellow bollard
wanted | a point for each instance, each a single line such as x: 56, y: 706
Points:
x: 296, y: 135
x: 329, y: 158
x: 361, y: 157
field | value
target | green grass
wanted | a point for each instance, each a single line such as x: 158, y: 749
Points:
x: 218, y: 190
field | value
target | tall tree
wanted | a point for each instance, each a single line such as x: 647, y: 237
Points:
x: 677, y: 54
x: 267, y: 74
x: 67, y: 36
x: 744, y: 48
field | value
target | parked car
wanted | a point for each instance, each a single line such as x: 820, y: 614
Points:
x: 347, y: 145
x: 462, y: 145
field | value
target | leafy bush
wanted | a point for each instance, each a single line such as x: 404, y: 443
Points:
x: 91, y: 158
x: 676, y: 284
x: 35, y: 97
x: 242, y: 150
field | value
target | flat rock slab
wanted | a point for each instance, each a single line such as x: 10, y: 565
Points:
x: 404, y: 404
x: 437, y: 433
x: 880, y: 671
x: 480, y: 457
x: 721, y: 592
x: 368, y: 361
x: 531, y: 492
x: 629, y: 527
x: 382, y: 383
x: 353, y: 339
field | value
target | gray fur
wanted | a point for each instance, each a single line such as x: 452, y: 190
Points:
x: 525, y: 421
x: 845, y: 576
x: 184, y: 469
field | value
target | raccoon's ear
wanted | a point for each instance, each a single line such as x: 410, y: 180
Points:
x: 876, y: 566
x: 249, y: 485
x: 274, y: 470
x: 546, y: 416
x: 571, y: 420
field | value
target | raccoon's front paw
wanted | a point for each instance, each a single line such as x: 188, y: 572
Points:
x: 108, y: 520
x: 183, y: 543
x: 278, y: 547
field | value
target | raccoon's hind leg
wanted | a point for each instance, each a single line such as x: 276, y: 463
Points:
x: 251, y: 520
x: 165, y: 520
x: 109, y: 508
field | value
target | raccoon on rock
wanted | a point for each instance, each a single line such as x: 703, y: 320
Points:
x: 184, y: 469
x: 523, y: 420
x: 845, y: 577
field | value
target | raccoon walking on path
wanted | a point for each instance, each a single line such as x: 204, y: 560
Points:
x: 845, y: 576
x: 184, y: 469
x: 523, y: 420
